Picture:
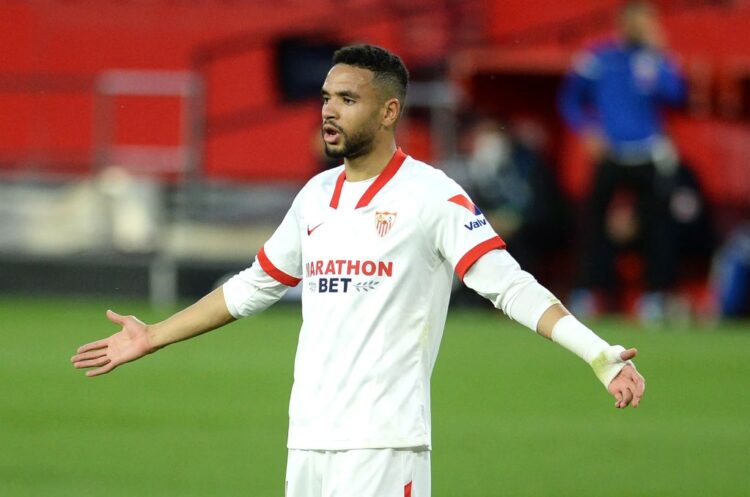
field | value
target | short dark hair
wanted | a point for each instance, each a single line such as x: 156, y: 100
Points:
x: 388, y: 68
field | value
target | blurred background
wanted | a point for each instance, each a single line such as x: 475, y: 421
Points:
x: 149, y: 147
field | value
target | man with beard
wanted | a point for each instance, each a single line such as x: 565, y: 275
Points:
x: 374, y: 243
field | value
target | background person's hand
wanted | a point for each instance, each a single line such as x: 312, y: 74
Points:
x: 129, y: 344
x: 628, y: 386
x: 594, y: 144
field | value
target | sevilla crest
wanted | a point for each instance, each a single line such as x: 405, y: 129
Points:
x: 384, y: 222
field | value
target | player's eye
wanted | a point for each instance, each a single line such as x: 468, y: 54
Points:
x: 348, y: 101
x: 325, y: 99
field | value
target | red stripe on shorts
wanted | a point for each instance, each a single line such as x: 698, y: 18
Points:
x: 407, y: 490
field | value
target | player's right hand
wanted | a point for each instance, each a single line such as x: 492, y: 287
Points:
x: 129, y: 344
x: 628, y: 386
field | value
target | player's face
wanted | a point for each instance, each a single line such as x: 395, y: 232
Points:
x: 351, y: 106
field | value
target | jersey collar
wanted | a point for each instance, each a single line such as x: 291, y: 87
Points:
x: 384, y: 177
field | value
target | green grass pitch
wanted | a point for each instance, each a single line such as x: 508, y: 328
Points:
x: 513, y: 415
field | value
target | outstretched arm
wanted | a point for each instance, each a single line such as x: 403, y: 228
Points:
x: 137, y: 339
x: 248, y: 292
x: 498, y: 277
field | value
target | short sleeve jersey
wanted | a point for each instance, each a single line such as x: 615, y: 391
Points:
x: 376, y: 278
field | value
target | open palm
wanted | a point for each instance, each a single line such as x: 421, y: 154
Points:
x: 129, y: 344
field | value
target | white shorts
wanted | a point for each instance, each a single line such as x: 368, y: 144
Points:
x: 358, y: 473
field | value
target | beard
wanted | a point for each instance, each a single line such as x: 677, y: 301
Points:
x: 352, y: 146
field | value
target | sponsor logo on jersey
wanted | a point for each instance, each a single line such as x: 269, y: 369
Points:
x: 475, y: 224
x: 384, y: 222
x: 467, y: 204
x: 464, y: 202
x: 349, y: 268
x: 335, y: 276
x: 310, y: 230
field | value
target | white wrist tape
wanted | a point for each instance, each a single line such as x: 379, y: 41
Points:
x: 603, y: 358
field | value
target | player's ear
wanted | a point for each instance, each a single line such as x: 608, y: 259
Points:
x: 390, y: 112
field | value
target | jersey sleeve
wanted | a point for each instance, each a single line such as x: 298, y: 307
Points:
x: 251, y: 291
x: 497, y: 277
x: 281, y: 256
x: 458, y: 229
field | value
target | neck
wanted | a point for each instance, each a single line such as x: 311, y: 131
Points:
x: 370, y: 165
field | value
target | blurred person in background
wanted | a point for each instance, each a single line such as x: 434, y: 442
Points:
x: 516, y: 190
x: 612, y: 99
x: 730, y: 275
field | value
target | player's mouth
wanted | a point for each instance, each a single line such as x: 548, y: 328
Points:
x: 331, y: 134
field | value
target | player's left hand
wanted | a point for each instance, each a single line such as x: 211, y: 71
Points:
x: 628, y: 386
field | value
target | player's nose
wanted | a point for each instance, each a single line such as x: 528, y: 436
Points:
x: 329, y: 111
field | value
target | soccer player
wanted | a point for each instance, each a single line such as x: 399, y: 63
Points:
x: 375, y: 243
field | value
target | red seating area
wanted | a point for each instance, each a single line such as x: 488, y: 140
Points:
x: 508, y: 55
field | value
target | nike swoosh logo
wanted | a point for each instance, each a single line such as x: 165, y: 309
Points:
x: 310, y: 230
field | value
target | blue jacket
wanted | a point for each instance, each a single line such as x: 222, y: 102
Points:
x: 620, y: 90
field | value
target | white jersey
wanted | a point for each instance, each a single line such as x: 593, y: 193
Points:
x: 376, y: 261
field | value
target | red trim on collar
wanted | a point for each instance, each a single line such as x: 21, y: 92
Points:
x: 337, y: 191
x: 383, y: 178
x: 389, y: 172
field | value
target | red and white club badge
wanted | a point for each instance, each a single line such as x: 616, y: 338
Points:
x: 384, y: 222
